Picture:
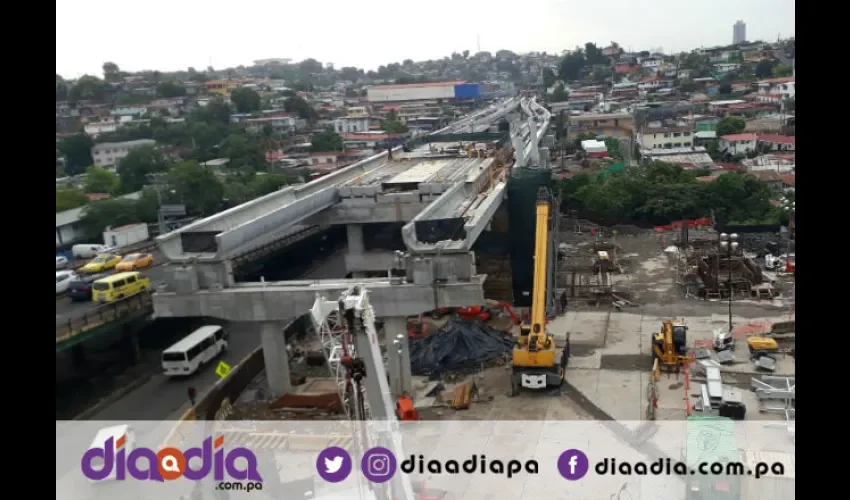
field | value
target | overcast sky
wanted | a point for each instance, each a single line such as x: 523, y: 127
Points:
x: 175, y: 34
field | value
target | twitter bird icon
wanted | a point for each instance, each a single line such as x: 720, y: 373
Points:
x: 333, y: 464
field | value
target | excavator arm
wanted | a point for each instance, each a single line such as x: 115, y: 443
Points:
x: 537, y: 338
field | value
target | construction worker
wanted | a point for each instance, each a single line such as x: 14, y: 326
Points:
x: 563, y: 302
x: 192, y: 395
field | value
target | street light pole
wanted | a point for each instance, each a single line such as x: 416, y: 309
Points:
x: 729, y: 243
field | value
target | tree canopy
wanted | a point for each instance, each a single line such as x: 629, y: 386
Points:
x: 730, y: 125
x: 327, y: 140
x: 660, y: 193
x: 77, y: 152
x: 246, y: 100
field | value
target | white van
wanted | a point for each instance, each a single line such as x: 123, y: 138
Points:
x: 87, y: 250
x: 114, y: 432
x: 199, y: 347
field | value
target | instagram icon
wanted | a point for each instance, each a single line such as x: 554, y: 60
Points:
x: 378, y: 465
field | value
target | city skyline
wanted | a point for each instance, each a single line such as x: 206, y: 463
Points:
x: 340, y: 40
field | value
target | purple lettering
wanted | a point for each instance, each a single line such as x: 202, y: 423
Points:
x: 250, y: 472
x: 203, y: 452
x: 152, y: 471
x: 106, y: 454
x: 218, y: 460
x: 121, y: 465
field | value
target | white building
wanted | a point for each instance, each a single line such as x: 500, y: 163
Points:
x: 726, y: 67
x: 349, y: 125
x: 784, y: 87
x: 412, y: 92
x: 665, y: 137
x: 108, y: 154
x: 738, y: 144
x: 280, y: 125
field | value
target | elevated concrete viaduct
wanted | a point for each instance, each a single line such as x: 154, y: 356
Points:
x: 446, y: 201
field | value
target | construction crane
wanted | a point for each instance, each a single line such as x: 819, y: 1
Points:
x: 535, y: 364
x: 670, y: 345
x: 346, y: 329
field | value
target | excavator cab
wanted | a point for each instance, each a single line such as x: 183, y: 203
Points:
x: 670, y: 345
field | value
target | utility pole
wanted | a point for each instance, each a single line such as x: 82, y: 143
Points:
x: 158, y: 184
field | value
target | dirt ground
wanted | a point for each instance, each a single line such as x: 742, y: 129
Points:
x: 611, y: 358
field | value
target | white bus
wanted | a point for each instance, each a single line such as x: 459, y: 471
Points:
x: 199, y: 347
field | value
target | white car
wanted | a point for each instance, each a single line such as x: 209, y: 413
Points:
x: 63, y: 279
x: 61, y: 262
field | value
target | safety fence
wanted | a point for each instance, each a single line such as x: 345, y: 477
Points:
x: 679, y: 224
x: 134, y: 305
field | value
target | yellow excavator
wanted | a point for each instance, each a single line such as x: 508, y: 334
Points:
x: 535, y: 361
x: 670, y: 345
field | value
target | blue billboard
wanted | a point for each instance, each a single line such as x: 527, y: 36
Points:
x: 468, y: 91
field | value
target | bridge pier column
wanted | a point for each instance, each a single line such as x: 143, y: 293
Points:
x: 78, y: 357
x: 276, y: 358
x: 355, y: 244
x: 398, y: 363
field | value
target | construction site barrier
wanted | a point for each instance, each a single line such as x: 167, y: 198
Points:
x: 679, y: 224
x: 106, y: 313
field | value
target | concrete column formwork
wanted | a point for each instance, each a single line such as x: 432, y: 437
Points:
x: 395, y: 329
x: 276, y: 358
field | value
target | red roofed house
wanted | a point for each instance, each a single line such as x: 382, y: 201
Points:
x: 325, y: 161
x: 788, y: 181
x: 738, y: 144
x: 777, y: 142
x: 785, y: 86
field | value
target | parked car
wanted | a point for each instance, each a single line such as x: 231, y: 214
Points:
x: 87, y: 250
x: 134, y: 261
x: 79, y: 290
x: 63, y: 279
x: 101, y: 263
x: 61, y: 262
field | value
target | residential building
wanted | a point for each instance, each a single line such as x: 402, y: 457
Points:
x: 738, y: 144
x: 96, y: 128
x: 349, y: 125
x: 777, y: 142
x: 325, y: 161
x: 220, y: 87
x: 358, y: 112
x: 108, y: 154
x: 739, y: 32
x: 665, y: 137
x: 688, y: 158
x: 280, y: 125
x: 726, y: 67
x: 616, y: 125
x: 773, y: 162
x: 651, y: 63
x: 784, y: 87
x: 611, y: 51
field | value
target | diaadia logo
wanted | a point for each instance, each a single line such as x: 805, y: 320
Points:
x: 114, y: 461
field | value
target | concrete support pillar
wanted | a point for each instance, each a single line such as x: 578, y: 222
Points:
x: 395, y: 329
x: 356, y: 248
x: 78, y: 357
x: 532, y: 138
x: 276, y: 358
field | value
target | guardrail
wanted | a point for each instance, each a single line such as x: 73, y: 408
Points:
x: 102, y: 315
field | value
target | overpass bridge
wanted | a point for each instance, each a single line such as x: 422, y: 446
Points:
x: 444, y: 201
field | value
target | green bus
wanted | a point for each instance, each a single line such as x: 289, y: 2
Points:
x: 711, y: 439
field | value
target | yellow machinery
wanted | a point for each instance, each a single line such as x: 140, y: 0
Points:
x: 670, y: 345
x: 760, y: 346
x: 535, y: 361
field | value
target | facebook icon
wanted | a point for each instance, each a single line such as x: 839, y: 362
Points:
x: 573, y: 464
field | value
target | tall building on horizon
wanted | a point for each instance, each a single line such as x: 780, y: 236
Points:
x: 739, y: 32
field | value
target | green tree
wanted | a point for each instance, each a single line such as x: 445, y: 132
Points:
x: 197, y: 186
x: 559, y: 94
x: 170, y: 90
x: 730, y: 125
x: 326, y: 141
x: 549, y: 77
x: 572, y: 64
x: 764, y: 68
x: 99, y: 215
x: 246, y: 100
x: 77, y: 152
x: 66, y: 199
x: 100, y: 180
x: 216, y: 112
x: 61, y: 89
x: 393, y: 127
x: 88, y: 88
x: 782, y: 70
x: 724, y: 89
x: 790, y: 105
x: 135, y: 168
x: 111, y: 72
x: 243, y: 152
x: 300, y: 106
